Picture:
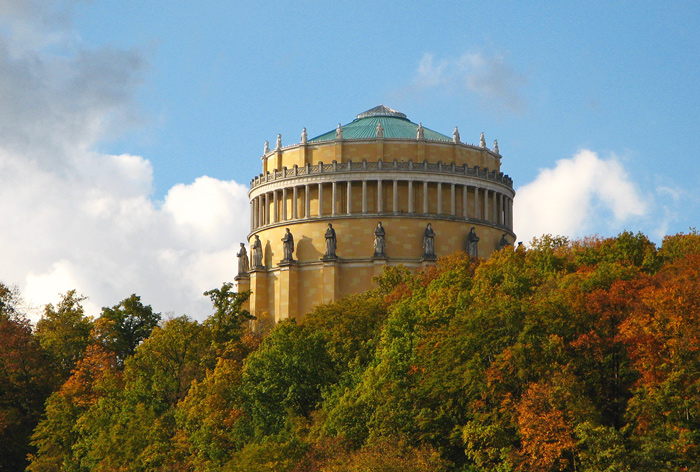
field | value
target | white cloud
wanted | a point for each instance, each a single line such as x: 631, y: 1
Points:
x: 490, y: 78
x: 74, y: 218
x: 576, y: 196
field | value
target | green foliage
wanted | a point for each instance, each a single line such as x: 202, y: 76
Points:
x: 287, y: 375
x: 64, y: 332
x: 25, y: 383
x: 226, y: 323
x: 567, y: 356
x: 127, y: 325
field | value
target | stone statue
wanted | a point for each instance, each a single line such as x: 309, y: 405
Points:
x: 279, y: 142
x: 304, y: 137
x: 472, y: 242
x: 379, y: 241
x: 504, y: 241
x: 266, y: 151
x: 495, y: 146
x: 429, y: 242
x: 482, y: 141
x: 288, y: 246
x: 420, y: 133
x: 242, y: 260
x: 256, y: 249
x: 339, y: 132
x: 331, y: 242
x: 455, y: 135
x: 380, y: 130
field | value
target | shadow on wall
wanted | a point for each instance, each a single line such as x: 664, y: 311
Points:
x: 268, y: 255
x: 306, y: 250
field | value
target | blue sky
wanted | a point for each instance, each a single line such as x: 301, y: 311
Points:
x: 161, y: 109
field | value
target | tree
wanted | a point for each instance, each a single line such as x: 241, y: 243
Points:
x: 286, y: 375
x: 64, y: 332
x: 25, y: 383
x: 131, y: 323
x: 227, y: 321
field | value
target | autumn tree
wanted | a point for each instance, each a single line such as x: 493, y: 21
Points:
x: 64, y: 332
x: 129, y: 323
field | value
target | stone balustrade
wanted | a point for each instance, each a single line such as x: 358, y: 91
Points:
x: 379, y: 166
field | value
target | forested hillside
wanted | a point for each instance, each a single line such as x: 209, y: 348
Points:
x: 568, y: 356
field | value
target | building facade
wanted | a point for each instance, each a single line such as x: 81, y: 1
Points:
x: 329, y: 213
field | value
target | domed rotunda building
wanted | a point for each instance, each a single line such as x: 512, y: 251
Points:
x: 329, y: 213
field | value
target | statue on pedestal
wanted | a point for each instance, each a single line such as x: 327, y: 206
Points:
x: 331, y: 243
x: 429, y: 242
x: 379, y: 241
x: 278, y: 146
x: 380, y: 130
x: 242, y: 260
x: 503, y: 242
x: 455, y: 135
x: 472, y: 243
x: 482, y: 141
x: 339, y: 132
x: 420, y: 133
x: 256, y: 249
x: 288, y: 246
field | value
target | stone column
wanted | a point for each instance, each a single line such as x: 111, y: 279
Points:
x: 284, y: 204
x: 425, y: 198
x: 320, y: 199
x: 486, y: 205
x: 267, y: 209
x: 295, y: 214
x: 349, y: 184
x: 261, y: 215
x: 274, y: 206
x: 380, y: 199
x: 307, y: 201
x: 252, y: 215
x: 477, y: 209
x: 439, y: 198
x: 453, y: 203
x: 364, y: 196
x: 410, y: 197
x: 334, y: 197
x: 501, y: 211
x: 465, y: 201
x: 510, y: 214
x: 396, y: 196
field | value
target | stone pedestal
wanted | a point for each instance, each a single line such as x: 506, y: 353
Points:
x: 258, y: 285
x: 243, y: 284
x: 331, y: 277
x: 286, y: 304
x: 379, y: 264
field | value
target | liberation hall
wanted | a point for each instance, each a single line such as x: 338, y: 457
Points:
x: 329, y: 213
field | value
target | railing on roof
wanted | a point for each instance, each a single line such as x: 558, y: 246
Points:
x: 364, y: 166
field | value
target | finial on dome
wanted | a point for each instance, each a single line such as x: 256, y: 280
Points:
x: 420, y: 134
x: 482, y: 141
x: 455, y: 135
x: 495, y: 146
x: 380, y: 130
x: 266, y: 151
x: 279, y: 142
x: 304, y: 137
x: 339, y: 132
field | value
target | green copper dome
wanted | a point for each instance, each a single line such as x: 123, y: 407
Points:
x: 395, y: 126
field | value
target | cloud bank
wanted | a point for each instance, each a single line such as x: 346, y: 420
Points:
x: 73, y: 218
x: 489, y: 77
x: 575, y: 196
